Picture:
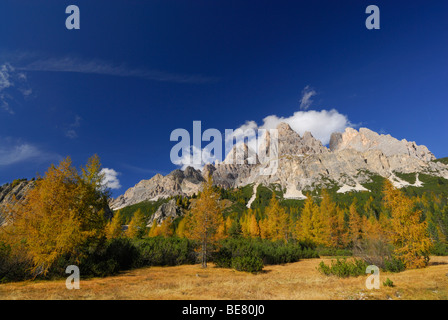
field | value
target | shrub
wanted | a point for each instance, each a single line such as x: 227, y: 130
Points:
x: 440, y: 249
x: 334, y: 252
x: 388, y: 283
x: 270, y: 252
x: 110, y: 258
x: 159, y: 251
x: 324, y: 269
x: 343, y: 268
x: 247, y: 263
x: 13, y: 267
x: 394, y: 265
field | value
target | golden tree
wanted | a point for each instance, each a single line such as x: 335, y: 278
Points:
x: 340, y: 232
x: 278, y: 221
x: 409, y: 233
x: 204, y: 220
x: 254, y: 227
x: 304, y: 227
x: 62, y: 216
x: 114, y: 227
x: 155, y: 230
x: 264, y: 228
x: 180, y: 230
x: 245, y: 225
x: 228, y: 225
x: 137, y: 226
x: 355, y: 225
x: 322, y: 220
x: 166, y: 228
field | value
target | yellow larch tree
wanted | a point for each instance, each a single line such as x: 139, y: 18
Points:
x: 322, y: 220
x: 304, y: 227
x: 409, y: 233
x: 154, y: 230
x: 137, y: 226
x: 277, y: 220
x: 166, y: 227
x: 340, y: 235
x: 62, y: 215
x: 254, y: 227
x: 204, y: 220
x: 114, y: 227
x: 355, y: 225
x: 180, y: 230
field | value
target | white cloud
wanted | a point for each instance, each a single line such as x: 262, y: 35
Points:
x: 111, y: 178
x: 5, y: 81
x: 10, y: 79
x: 307, y: 94
x: 70, y: 132
x: 321, y: 124
x: 189, y: 156
x: 13, y: 151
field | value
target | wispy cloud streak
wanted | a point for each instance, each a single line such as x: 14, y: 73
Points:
x: 307, y: 94
x: 14, y: 151
x: 69, y: 64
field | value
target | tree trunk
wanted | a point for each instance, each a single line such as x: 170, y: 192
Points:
x: 204, y: 253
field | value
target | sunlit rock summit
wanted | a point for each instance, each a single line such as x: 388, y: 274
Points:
x: 303, y: 165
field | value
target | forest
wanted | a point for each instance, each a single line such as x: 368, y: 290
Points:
x: 65, y: 220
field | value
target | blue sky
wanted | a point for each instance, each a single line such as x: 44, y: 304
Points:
x: 137, y: 70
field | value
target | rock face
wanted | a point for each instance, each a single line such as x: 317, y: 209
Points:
x: 303, y: 164
x: 177, y: 182
x: 166, y: 210
x: 366, y: 139
x: 9, y: 194
x: 290, y: 142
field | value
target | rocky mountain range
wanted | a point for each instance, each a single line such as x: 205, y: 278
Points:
x: 10, y: 193
x: 350, y: 161
x: 303, y: 164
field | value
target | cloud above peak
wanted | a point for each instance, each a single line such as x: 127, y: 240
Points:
x: 111, y: 180
x: 305, y: 101
x: 321, y: 124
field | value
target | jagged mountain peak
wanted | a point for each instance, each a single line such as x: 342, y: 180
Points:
x: 303, y: 164
x: 366, y: 139
x: 285, y: 129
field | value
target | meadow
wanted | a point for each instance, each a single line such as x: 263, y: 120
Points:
x: 297, y: 281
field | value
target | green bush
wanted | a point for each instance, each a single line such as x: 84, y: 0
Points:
x: 106, y: 259
x: 388, y: 283
x: 334, y: 252
x: 440, y: 249
x: 343, y: 268
x: 159, y: 251
x: 270, y: 252
x: 394, y: 265
x: 247, y: 263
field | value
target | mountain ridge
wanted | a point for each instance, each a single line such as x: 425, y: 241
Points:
x: 303, y: 164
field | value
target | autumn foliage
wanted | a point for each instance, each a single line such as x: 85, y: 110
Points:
x: 63, y: 215
x: 204, y: 220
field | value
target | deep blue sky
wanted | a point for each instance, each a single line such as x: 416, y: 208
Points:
x: 145, y: 68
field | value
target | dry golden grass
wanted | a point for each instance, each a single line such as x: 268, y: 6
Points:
x: 299, y: 280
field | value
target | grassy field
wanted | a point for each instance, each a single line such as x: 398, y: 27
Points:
x: 298, y: 280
